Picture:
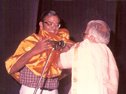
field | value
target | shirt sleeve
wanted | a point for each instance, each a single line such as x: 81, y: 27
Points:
x: 113, y: 75
x: 21, y: 50
x: 67, y: 58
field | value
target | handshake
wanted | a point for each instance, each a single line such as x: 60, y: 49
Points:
x: 57, y: 45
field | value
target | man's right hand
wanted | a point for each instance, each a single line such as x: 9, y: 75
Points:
x: 40, y: 46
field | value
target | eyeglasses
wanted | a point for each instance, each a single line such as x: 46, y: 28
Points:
x: 51, y: 24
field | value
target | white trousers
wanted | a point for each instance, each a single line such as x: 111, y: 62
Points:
x: 28, y: 90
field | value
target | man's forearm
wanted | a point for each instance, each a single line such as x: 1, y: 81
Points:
x: 21, y: 61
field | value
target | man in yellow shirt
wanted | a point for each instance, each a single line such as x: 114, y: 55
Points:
x: 27, y: 64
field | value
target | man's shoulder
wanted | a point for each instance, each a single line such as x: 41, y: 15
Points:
x: 32, y: 37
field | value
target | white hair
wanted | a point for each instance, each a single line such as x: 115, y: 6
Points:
x: 99, y: 30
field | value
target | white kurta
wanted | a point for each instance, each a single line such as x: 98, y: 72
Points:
x: 94, y: 69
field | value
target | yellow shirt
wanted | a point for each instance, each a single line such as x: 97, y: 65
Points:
x: 37, y: 62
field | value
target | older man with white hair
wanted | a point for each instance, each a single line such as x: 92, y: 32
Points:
x: 94, y: 69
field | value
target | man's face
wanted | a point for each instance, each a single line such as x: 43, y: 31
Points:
x: 51, y: 24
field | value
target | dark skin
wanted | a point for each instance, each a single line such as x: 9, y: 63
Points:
x: 40, y: 46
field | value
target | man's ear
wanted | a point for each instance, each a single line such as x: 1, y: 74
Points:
x: 92, y: 38
x: 41, y: 25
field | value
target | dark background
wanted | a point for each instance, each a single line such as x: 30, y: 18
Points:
x: 18, y: 19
